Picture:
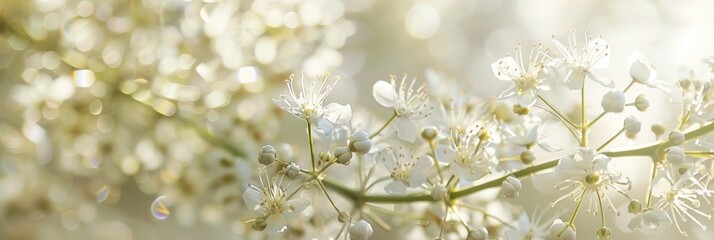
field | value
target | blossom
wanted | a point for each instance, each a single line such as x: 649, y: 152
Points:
x: 470, y: 158
x: 650, y: 219
x: 271, y: 200
x: 527, y: 228
x: 528, y: 133
x: 405, y: 171
x: 408, y: 104
x: 460, y: 113
x: 526, y: 80
x: 307, y: 104
x: 580, y: 61
x: 589, y: 173
x: 678, y: 195
x: 643, y: 72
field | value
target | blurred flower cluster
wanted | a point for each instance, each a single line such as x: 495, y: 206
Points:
x: 228, y: 113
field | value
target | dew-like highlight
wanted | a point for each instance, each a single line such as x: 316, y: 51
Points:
x: 158, y: 209
x: 102, y: 193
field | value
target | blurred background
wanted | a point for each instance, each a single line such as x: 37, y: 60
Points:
x: 105, y: 104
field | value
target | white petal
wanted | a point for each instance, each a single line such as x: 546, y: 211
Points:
x: 661, y: 187
x: 299, y: 204
x: 604, y: 81
x: 574, y: 79
x: 599, y: 53
x: 506, y: 68
x: 528, y: 97
x: 386, y: 156
x: 635, y: 222
x: 338, y: 114
x: 417, y: 179
x: 252, y: 198
x: 384, y: 93
x: 547, y: 147
x: 276, y: 224
x: 323, y: 126
x: 508, y: 92
x: 423, y: 164
x: 445, y: 154
x: 406, y: 129
x: 289, y: 105
x: 396, y: 188
x: 562, y: 49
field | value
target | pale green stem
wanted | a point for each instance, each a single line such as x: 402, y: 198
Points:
x: 385, y: 125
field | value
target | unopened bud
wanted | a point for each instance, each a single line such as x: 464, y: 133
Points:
x: 658, y: 130
x: 360, y: 142
x: 676, y: 156
x: 613, y: 101
x: 528, y: 157
x: 429, y: 133
x: 478, y: 234
x: 632, y: 125
x: 292, y: 170
x: 676, y: 137
x: 641, y: 103
x: 439, y: 192
x: 361, y: 230
x: 325, y: 156
x: 343, y: 155
x: 267, y: 155
x: 510, y: 187
x: 561, y: 231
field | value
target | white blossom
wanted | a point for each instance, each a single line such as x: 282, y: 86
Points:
x: 649, y: 220
x: 643, y: 72
x: 679, y: 194
x: 528, y: 80
x: 560, y: 231
x: 580, y: 60
x: 307, y: 103
x: 271, y: 200
x: 405, y: 169
x: 511, y: 186
x: 408, y: 104
x: 469, y: 158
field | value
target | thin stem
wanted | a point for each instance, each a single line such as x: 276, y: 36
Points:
x: 583, y: 120
x: 556, y: 111
x: 602, y: 212
x: 649, y: 188
x: 699, y: 154
x: 596, y: 119
x: 466, y: 225
x: 443, y: 222
x: 394, y: 116
x: 488, y: 215
x: 328, y: 196
x: 566, y: 125
x: 611, y: 139
x: 436, y: 161
x: 575, y: 213
x: 312, y: 152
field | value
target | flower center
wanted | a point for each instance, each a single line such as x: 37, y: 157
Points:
x: 593, y: 179
x: 274, y: 203
x: 402, y: 171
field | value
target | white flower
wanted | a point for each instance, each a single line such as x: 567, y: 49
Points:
x: 529, y: 229
x: 408, y: 104
x: 526, y: 80
x: 405, y: 171
x: 271, y: 200
x: 649, y: 220
x: 528, y: 133
x: 307, y: 103
x: 589, y: 174
x: 643, y: 72
x: 613, y: 101
x: 461, y: 113
x: 580, y: 61
x: 678, y: 195
x: 470, y: 159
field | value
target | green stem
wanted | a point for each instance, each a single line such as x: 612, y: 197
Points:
x: 649, y: 188
x: 610, y: 140
x: 436, y: 161
x: 583, y: 120
x: 557, y: 112
x: 385, y: 125
x: 312, y: 152
x: 575, y: 213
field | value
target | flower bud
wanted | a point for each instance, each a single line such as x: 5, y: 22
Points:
x: 520, y: 110
x: 676, y: 156
x: 528, y: 157
x: 561, y: 231
x: 510, y: 187
x: 635, y: 206
x: 676, y: 137
x: 478, y: 234
x: 343, y: 217
x: 361, y: 230
x: 632, y: 125
x: 429, y: 133
x: 641, y: 103
x: 343, y: 155
x: 267, y: 155
x: 438, y: 192
x: 613, y: 101
x: 259, y: 224
x: 325, y: 156
x: 603, y: 233
x: 658, y: 130
x: 360, y: 142
x: 292, y: 170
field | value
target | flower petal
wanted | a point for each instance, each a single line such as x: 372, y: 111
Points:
x: 508, y: 92
x: 338, y: 114
x: 386, y: 156
x: 506, y: 69
x: 406, y: 129
x: 604, y: 81
x: 252, y: 198
x: 599, y: 53
x: 445, y: 154
x: 299, y: 204
x: 574, y: 79
x: 384, y: 93
x: 276, y: 224
x: 396, y: 188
